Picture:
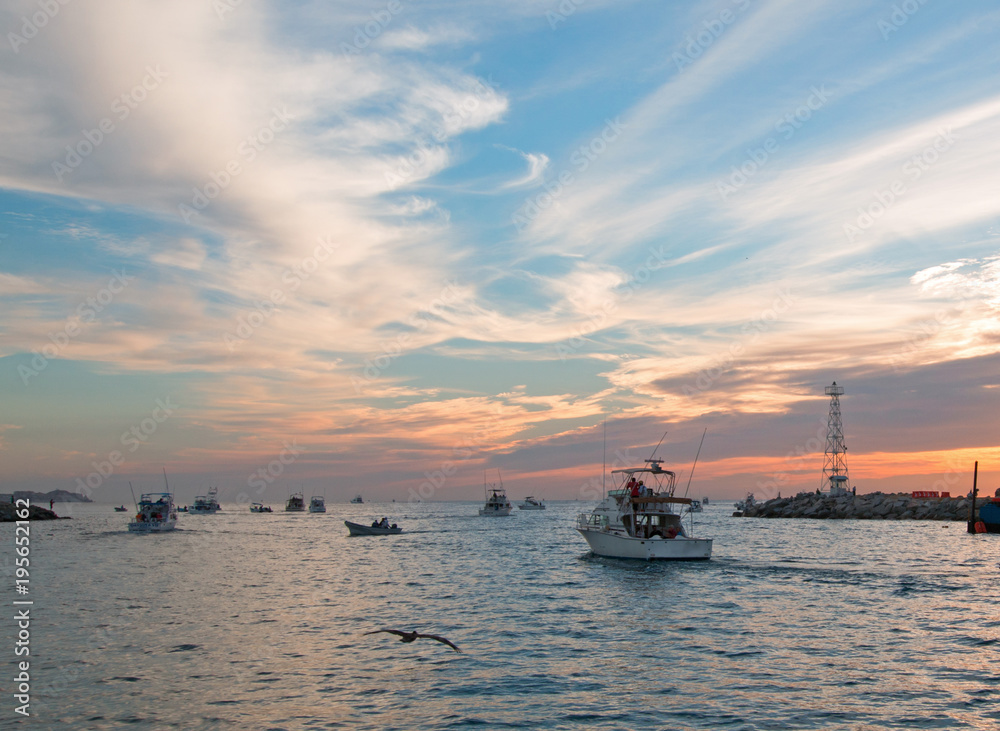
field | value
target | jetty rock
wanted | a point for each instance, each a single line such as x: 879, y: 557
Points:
x: 871, y: 506
x: 8, y: 513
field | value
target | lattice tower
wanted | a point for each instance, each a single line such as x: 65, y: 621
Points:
x: 834, y: 462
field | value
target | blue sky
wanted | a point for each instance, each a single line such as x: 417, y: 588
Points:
x: 407, y: 235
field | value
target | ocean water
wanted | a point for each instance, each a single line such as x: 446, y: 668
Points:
x: 242, y: 621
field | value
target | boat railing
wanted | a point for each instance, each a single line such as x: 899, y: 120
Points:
x: 591, y: 521
x: 660, y: 499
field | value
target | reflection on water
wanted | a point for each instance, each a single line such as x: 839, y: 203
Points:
x: 256, y: 621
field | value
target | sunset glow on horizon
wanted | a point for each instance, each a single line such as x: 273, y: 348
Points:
x: 392, y: 248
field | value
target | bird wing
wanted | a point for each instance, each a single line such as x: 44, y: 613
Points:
x: 450, y: 644
x: 390, y: 631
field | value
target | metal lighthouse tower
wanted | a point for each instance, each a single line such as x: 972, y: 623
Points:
x: 835, y: 476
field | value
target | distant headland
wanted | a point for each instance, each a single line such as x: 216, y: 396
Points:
x: 56, y: 496
x: 37, y: 500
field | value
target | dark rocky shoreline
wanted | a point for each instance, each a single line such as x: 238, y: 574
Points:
x: 35, y: 512
x: 872, y: 506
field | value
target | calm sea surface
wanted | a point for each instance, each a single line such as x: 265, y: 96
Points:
x: 241, y: 621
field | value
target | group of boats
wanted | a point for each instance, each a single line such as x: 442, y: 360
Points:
x: 641, y: 518
x: 296, y: 503
x: 498, y: 506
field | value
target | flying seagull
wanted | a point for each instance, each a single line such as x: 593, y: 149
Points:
x: 411, y: 636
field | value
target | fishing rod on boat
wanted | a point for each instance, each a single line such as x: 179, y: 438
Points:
x: 695, y: 461
x: 657, y: 447
x: 133, y: 496
x: 691, y: 476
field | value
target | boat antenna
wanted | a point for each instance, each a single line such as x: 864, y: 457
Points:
x: 657, y: 447
x: 695, y: 462
x: 500, y: 476
x: 133, y: 496
x: 165, y: 479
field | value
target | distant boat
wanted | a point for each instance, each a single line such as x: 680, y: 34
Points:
x: 122, y: 509
x: 295, y: 504
x: 357, y: 529
x: 748, y: 502
x: 696, y: 507
x: 704, y: 500
x: 156, y: 513
x: 531, y: 503
x: 497, y: 505
x: 357, y: 500
x: 259, y: 508
x: 317, y: 504
x: 206, y: 504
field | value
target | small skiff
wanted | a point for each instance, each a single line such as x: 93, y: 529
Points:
x: 357, y: 529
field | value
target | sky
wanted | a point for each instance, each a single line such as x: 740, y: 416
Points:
x: 400, y: 249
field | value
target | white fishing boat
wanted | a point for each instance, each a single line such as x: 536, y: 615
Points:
x: 377, y: 528
x: 696, y: 507
x: 296, y: 503
x: 531, y: 503
x: 497, y: 505
x: 206, y: 504
x: 742, y: 505
x: 156, y: 513
x: 317, y: 504
x: 637, y: 520
x: 704, y: 500
x: 357, y: 500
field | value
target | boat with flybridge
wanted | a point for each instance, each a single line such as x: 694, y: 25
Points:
x: 156, y: 513
x: 647, y: 521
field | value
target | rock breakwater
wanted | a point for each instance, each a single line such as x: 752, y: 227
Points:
x: 872, y: 506
x: 35, y: 512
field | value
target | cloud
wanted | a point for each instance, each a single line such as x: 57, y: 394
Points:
x: 11, y: 285
x: 538, y: 163
x: 416, y: 39
x: 185, y: 254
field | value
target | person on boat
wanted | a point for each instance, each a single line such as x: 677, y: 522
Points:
x: 374, y: 524
x: 384, y: 523
x: 635, y: 489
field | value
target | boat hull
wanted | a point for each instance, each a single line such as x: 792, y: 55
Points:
x: 615, y: 545
x: 159, y: 526
x: 497, y: 513
x: 357, y: 529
